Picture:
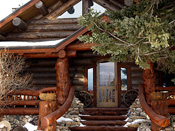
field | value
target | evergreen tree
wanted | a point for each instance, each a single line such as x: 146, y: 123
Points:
x: 143, y: 33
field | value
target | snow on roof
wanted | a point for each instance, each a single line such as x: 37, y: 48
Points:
x: 11, y: 44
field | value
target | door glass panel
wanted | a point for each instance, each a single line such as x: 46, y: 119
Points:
x: 90, y: 79
x: 107, y: 76
x: 123, y: 79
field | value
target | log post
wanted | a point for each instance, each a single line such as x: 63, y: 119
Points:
x: 20, y: 24
x: 41, y: 7
x: 63, y: 82
x: 85, y: 6
x: 149, y: 82
x: 45, y: 108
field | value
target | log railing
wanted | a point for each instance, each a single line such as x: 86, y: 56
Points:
x: 159, y: 120
x: 23, y: 98
x: 51, y: 118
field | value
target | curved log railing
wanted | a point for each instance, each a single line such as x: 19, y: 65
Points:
x: 51, y: 118
x: 160, y: 120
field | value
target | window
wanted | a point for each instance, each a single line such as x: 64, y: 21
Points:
x: 123, y: 72
x: 90, y: 79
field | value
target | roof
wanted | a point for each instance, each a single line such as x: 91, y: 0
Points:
x: 39, y: 26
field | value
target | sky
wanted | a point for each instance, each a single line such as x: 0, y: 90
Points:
x: 7, y: 5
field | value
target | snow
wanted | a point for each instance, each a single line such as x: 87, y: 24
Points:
x: 81, y: 125
x: 134, y: 122
x: 83, y: 115
x: 7, y: 44
x: 63, y: 119
x: 30, y: 127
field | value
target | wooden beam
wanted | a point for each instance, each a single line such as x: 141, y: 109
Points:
x: 38, y: 35
x: 85, y: 6
x: 107, y: 4
x: 62, y: 54
x: 80, y: 46
x: 17, y: 22
x: 42, y: 8
x: 62, y: 9
x: 64, y: 1
x: 2, y: 37
x: 19, y: 111
x: 52, y: 55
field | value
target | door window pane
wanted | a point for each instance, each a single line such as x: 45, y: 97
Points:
x: 107, y: 71
x: 90, y: 79
x: 123, y: 79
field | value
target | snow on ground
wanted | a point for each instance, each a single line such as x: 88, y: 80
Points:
x: 134, y: 122
x: 30, y: 127
x: 83, y: 115
x: 64, y: 119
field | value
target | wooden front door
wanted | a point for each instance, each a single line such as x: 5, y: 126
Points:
x: 106, y: 84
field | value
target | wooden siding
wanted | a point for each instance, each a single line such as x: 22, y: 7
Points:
x: 46, y: 30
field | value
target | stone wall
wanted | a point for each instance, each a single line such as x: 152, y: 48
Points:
x: 69, y: 119
x: 138, y: 118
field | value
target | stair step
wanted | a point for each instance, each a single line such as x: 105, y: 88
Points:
x: 103, y: 117
x: 106, y: 109
x: 104, y: 123
x: 102, y: 128
x: 104, y: 113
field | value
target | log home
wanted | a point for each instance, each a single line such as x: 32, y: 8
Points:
x: 62, y: 64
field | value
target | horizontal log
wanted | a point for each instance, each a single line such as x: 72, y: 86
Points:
x: 103, y: 128
x: 38, y: 35
x: 55, y: 21
x: 19, y: 111
x: 158, y: 88
x: 2, y: 37
x: 43, y: 75
x: 77, y: 69
x: 39, y: 86
x: 21, y: 102
x: 55, y: 27
x: 106, y: 109
x: 53, y: 55
x: 80, y: 46
x: 87, y: 54
x: 20, y: 24
x: 37, y: 69
x: 107, y: 4
x: 83, y: 61
x: 42, y: 8
x: 103, y: 123
x: 41, y: 62
x: 104, y: 117
x: 43, y: 82
x: 160, y: 120
x: 171, y: 110
x: 171, y: 102
x: 79, y: 88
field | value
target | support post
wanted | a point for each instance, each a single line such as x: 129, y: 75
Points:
x: 85, y: 6
x: 45, y: 108
x: 149, y: 82
x: 63, y: 82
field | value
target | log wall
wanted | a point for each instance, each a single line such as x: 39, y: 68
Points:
x: 46, y: 29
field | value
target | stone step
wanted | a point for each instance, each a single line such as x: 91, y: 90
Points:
x: 104, y: 113
x: 103, y: 128
x: 103, y: 117
x: 106, y: 109
x: 103, y: 123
